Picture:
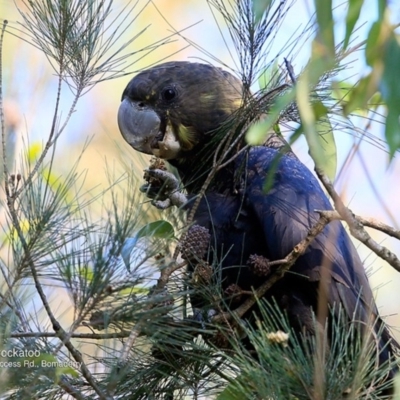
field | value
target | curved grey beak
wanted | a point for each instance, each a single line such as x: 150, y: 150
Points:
x: 139, y: 125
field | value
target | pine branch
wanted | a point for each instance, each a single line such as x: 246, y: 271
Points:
x: 60, y: 332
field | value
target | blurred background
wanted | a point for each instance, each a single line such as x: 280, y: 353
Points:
x: 368, y: 183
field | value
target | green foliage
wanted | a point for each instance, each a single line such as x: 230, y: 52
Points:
x: 382, y: 54
x: 396, y: 388
x: 321, y: 140
x: 257, y: 133
x: 259, y: 7
x: 232, y: 393
x: 331, y: 366
x: 77, y: 38
x: 157, y: 229
x: 325, y: 34
x: 352, y: 17
x: 270, y: 77
x: 390, y: 91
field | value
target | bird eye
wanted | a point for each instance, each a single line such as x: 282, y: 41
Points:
x: 168, y: 93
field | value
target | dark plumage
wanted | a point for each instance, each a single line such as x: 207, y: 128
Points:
x: 192, y: 103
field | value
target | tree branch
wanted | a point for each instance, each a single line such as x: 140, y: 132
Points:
x: 368, y: 222
x: 356, y: 226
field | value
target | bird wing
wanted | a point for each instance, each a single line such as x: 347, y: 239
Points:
x: 288, y: 211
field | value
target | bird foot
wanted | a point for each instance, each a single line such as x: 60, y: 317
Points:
x: 165, y: 192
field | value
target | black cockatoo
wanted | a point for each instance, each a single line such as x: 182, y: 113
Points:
x: 180, y: 112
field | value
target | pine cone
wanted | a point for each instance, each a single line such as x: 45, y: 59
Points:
x: 202, y: 274
x: 155, y: 163
x: 194, y: 243
x: 233, y: 292
x: 99, y: 320
x: 259, y: 265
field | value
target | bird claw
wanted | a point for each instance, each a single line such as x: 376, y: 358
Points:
x: 167, y: 178
x: 166, y: 192
x: 162, y: 204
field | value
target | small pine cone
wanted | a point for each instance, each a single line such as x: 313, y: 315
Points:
x: 202, y: 274
x: 233, y: 292
x: 152, y: 180
x: 99, y: 320
x: 259, y: 265
x: 195, y: 242
x: 157, y: 163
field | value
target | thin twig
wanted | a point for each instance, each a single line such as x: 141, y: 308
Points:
x: 72, y: 391
x: 210, y: 177
x: 356, y: 227
x: 167, y: 272
x: 242, y: 150
x: 369, y: 222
